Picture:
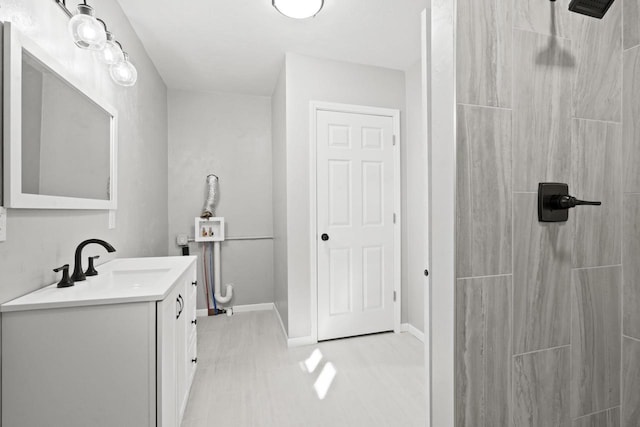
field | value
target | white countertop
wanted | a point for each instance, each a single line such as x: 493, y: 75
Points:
x: 119, y: 281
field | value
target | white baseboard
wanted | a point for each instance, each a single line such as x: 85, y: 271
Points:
x: 241, y: 308
x: 253, y: 307
x: 407, y: 327
x: 300, y: 341
x: 293, y: 342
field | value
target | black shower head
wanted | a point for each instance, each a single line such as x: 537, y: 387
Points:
x: 594, y: 8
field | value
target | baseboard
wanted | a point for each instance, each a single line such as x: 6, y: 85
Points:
x: 293, y: 342
x: 300, y: 341
x: 407, y: 327
x: 253, y: 307
x: 284, y: 330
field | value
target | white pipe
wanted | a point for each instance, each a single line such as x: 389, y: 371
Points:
x: 217, y: 277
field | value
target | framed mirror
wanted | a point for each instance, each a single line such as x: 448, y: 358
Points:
x: 60, y: 137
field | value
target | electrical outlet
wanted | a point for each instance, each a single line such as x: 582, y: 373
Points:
x: 112, y: 220
x: 182, y: 240
x: 3, y: 224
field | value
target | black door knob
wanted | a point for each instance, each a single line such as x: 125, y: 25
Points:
x: 325, y: 237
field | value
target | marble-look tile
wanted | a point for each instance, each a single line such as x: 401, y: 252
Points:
x: 541, y: 279
x: 630, y: 123
x: 610, y: 418
x: 549, y: 18
x: 483, y: 351
x: 542, y: 109
x: 541, y: 389
x: 631, y: 17
x: 596, y: 175
x: 595, y: 340
x: 630, y: 383
x: 597, y: 44
x: 484, y: 52
x: 484, y: 195
x: 631, y: 266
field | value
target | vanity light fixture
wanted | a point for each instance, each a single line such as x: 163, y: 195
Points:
x: 86, y: 31
x: 89, y: 32
x: 123, y: 72
x: 298, y: 9
x: 112, y: 52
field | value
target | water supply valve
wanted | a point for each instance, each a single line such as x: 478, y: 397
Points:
x: 554, y: 202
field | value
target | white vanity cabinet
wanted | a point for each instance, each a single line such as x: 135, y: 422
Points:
x: 118, y: 350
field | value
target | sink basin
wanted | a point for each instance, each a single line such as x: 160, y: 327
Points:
x: 132, y: 278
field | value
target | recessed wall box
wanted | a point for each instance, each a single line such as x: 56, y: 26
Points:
x: 209, y: 229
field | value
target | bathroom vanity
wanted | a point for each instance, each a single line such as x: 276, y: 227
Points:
x: 118, y: 349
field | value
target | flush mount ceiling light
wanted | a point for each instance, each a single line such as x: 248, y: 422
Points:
x: 298, y: 9
x: 86, y: 31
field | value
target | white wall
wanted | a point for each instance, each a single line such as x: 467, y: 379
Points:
x: 228, y: 135
x: 310, y: 79
x: 279, y: 179
x: 40, y: 240
x: 415, y: 166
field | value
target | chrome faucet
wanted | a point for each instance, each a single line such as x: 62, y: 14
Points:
x: 78, y: 274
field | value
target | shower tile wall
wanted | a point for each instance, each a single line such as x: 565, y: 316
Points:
x: 547, y: 95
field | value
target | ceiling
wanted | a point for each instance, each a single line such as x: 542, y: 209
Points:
x: 239, y: 45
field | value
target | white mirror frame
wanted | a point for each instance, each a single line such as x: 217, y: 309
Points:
x: 14, y: 43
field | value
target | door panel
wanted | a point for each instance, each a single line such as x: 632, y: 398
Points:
x: 355, y: 193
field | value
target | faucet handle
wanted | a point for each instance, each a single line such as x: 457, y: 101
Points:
x: 91, y: 270
x: 65, y: 282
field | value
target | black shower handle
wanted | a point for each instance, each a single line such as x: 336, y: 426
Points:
x: 566, y: 202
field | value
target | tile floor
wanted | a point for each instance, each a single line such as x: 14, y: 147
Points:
x: 248, y: 377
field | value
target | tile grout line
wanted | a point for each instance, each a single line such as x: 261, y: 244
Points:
x: 485, y: 277
x: 541, y: 350
x: 485, y: 106
x: 596, y: 267
x: 631, y: 338
x: 597, y: 412
x: 609, y: 122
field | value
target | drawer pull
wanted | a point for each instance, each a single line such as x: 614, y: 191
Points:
x: 194, y: 283
x: 195, y: 321
x: 194, y: 360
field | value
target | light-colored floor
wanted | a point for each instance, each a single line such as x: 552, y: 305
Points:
x: 248, y: 377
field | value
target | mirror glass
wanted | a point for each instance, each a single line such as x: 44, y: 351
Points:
x: 66, y: 137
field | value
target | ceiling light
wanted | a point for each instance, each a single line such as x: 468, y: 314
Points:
x: 86, y: 31
x: 298, y: 9
x: 112, y: 52
x: 124, y: 73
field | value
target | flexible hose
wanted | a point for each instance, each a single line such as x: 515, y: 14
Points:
x: 212, y: 197
x: 204, y: 272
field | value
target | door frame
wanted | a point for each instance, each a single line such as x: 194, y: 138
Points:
x: 314, y: 108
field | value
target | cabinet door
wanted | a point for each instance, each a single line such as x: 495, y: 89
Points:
x: 168, y: 317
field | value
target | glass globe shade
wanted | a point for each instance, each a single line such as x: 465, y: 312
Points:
x: 298, y: 9
x: 112, y: 53
x: 123, y: 72
x: 87, y: 32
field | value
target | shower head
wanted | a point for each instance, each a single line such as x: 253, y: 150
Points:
x: 593, y: 8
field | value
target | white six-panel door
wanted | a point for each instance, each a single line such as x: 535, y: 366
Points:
x: 355, y: 224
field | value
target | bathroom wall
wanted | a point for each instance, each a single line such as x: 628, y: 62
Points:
x: 310, y: 79
x: 538, y: 305
x: 279, y: 184
x: 40, y: 240
x: 228, y: 135
x: 414, y: 159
